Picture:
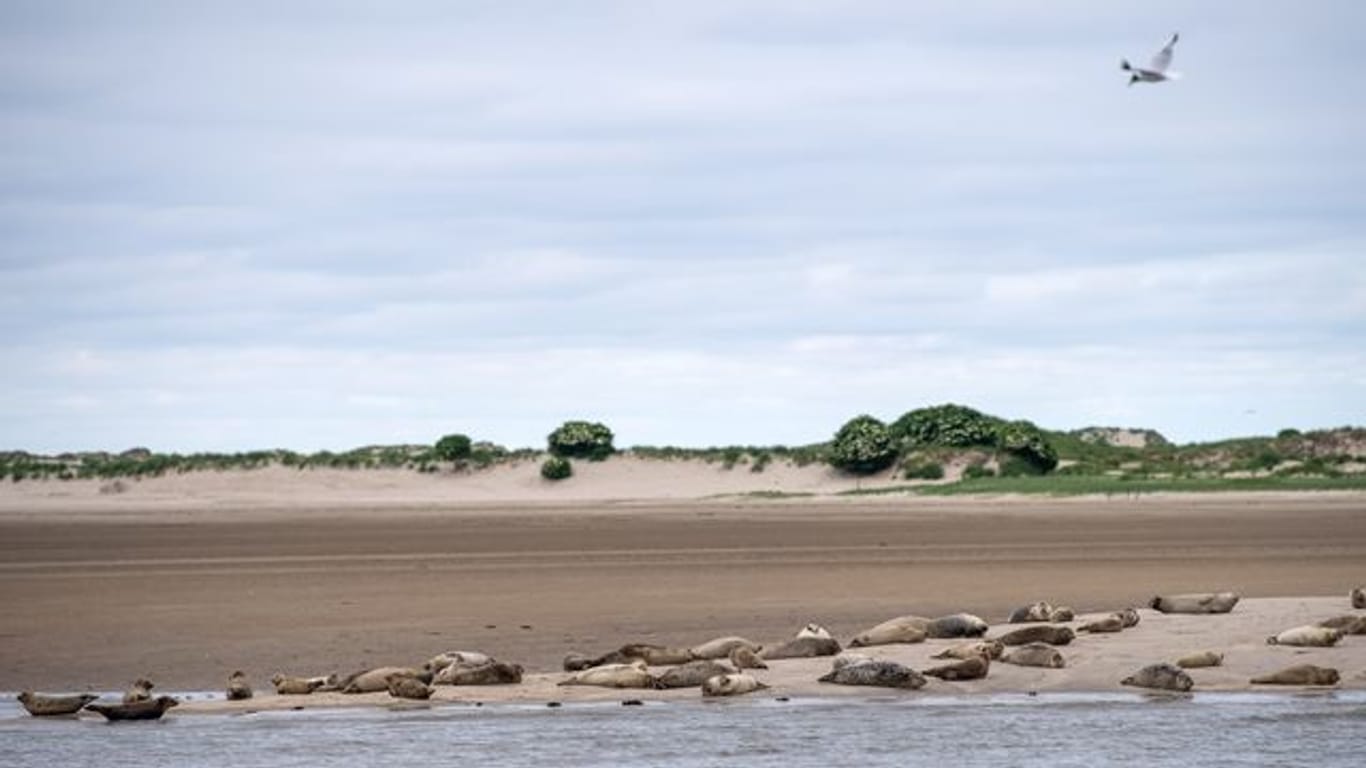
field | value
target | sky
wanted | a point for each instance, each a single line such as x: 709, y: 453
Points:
x: 319, y: 225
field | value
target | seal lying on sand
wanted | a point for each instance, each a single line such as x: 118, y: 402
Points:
x: 902, y: 629
x: 151, y: 709
x: 974, y: 668
x: 1307, y: 636
x: 1041, y: 611
x: 956, y: 625
x: 1201, y: 659
x: 815, y: 630
x: 377, y: 680
x: 48, y: 705
x: 1112, y: 623
x: 731, y: 685
x: 295, y: 686
x: 883, y: 674
x: 1164, y: 677
x: 1129, y: 616
x: 1349, y: 624
x: 237, y: 687
x: 743, y: 658
x: 721, y: 647
x: 1300, y: 674
x: 407, y: 687
x: 802, y: 648
x: 140, y: 690
x: 633, y: 675
x: 692, y: 674
x: 1358, y: 597
x: 1038, y: 633
x: 1034, y: 655
x: 445, y: 659
x: 1205, y: 602
x: 992, y: 649
x: 489, y: 673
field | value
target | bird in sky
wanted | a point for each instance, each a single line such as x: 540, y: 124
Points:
x: 1156, y: 71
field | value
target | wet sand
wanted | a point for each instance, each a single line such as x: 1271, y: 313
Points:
x: 186, y: 595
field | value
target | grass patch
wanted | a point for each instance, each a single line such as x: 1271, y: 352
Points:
x: 1074, y: 485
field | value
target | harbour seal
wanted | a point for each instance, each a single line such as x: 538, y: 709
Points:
x: 992, y: 649
x: 150, y: 709
x: 1034, y: 655
x: 743, y: 658
x: 407, y: 687
x: 1307, y: 636
x: 731, y: 685
x: 1129, y: 616
x: 721, y: 647
x: 882, y: 674
x: 295, y: 686
x: 49, y: 705
x: 633, y: 675
x: 1300, y: 674
x: 238, y: 689
x: 846, y: 659
x: 1201, y: 659
x: 692, y: 674
x: 1062, y: 614
x: 1349, y: 624
x: 973, y: 668
x: 445, y: 659
x: 1164, y: 677
x: 957, y: 625
x: 489, y: 673
x: 802, y: 648
x: 330, y: 682
x: 902, y: 629
x: 1358, y: 596
x: 377, y: 680
x: 1038, y: 633
x: 655, y: 655
x: 815, y: 630
x: 1204, y: 602
x: 1112, y: 623
x: 140, y: 690
x: 1040, y: 611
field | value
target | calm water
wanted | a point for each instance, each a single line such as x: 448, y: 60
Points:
x: 1052, y: 730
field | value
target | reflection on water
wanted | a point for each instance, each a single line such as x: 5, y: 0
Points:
x: 1049, y: 730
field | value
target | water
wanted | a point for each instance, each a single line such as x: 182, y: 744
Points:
x: 1008, y: 730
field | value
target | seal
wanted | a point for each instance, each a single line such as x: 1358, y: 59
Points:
x: 332, y: 682
x: 1300, y: 674
x: 692, y: 674
x: 1358, y: 597
x: 140, y: 690
x: 1034, y: 655
x: 50, y: 705
x: 1038, y: 633
x: 377, y: 680
x: 295, y: 686
x: 721, y: 647
x: 973, y: 668
x: 882, y: 674
x: 815, y: 630
x: 1201, y: 659
x: 577, y: 662
x: 1204, y: 602
x: 1349, y: 624
x: 735, y: 684
x: 1307, y: 637
x: 846, y: 659
x: 633, y: 675
x: 1062, y: 614
x: 489, y: 673
x: 655, y: 655
x: 802, y: 648
x: 991, y: 648
x: 1112, y: 623
x: 743, y: 658
x: 902, y: 629
x: 1040, y: 611
x: 957, y: 625
x: 407, y: 687
x: 1129, y: 616
x: 150, y: 709
x: 238, y: 689
x: 1163, y: 677
x: 446, y: 658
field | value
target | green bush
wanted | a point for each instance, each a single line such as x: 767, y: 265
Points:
x: 1018, y: 466
x: 924, y: 471
x: 581, y: 440
x: 975, y: 471
x: 452, y: 448
x: 951, y: 425
x: 1026, y: 442
x: 556, y: 468
x: 862, y: 446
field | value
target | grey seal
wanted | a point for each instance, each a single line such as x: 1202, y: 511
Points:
x: 883, y: 674
x: 1166, y: 677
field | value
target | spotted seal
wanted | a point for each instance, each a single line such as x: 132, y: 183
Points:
x: 1349, y: 624
x: 973, y: 668
x: 721, y: 647
x: 238, y: 689
x: 491, y: 672
x: 1164, y: 677
x: 743, y: 658
x: 295, y: 686
x: 403, y: 686
x: 377, y: 680
x: 140, y: 690
x: 882, y: 674
x: 1358, y: 598
x: 692, y: 674
x: 992, y: 649
x: 1112, y: 623
x: 801, y: 648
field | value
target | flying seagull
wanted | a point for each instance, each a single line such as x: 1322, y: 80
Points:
x: 1156, y: 71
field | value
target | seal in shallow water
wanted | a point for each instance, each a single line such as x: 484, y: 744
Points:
x: 1300, y: 674
x: 237, y: 687
x: 1163, y: 677
x: 882, y: 674
x: 731, y: 685
x: 1307, y: 636
x: 48, y: 705
x: 1204, y: 602
x: 151, y: 709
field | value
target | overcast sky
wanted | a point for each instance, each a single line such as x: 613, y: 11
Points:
x: 327, y: 224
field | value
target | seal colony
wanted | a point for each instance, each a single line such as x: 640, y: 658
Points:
x: 1198, y: 649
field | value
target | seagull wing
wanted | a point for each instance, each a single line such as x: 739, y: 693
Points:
x: 1163, y: 59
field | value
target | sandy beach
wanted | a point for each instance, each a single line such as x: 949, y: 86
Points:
x: 185, y: 580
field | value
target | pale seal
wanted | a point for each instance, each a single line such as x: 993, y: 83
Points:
x: 633, y: 675
x: 150, y: 709
x: 49, y: 705
x: 992, y: 649
x: 1201, y: 659
x: 721, y: 647
x: 1165, y: 677
x: 445, y: 659
x: 974, y: 668
x: 1307, y: 636
x: 489, y: 673
x: 377, y: 680
x: 140, y: 690
x: 902, y: 629
x: 801, y: 648
x: 1205, y: 602
x: 1358, y: 597
x: 815, y: 630
x: 883, y: 674
x: 731, y: 685
x: 237, y: 687
x: 1038, y: 633
x: 295, y: 686
x: 692, y: 674
x: 402, y: 686
x: 1034, y: 655
x: 1300, y: 674
x: 1040, y: 611
x: 743, y: 658
x: 846, y: 659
